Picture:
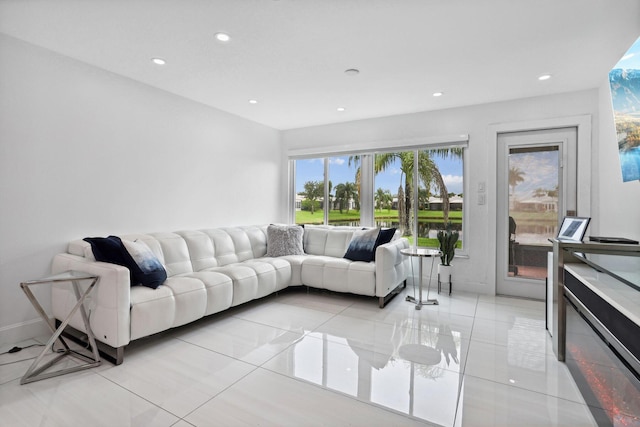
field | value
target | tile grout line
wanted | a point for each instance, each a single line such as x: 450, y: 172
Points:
x: 466, y: 360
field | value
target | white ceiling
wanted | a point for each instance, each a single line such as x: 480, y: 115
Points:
x: 291, y: 55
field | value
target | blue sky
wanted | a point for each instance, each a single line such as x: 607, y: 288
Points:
x: 630, y: 60
x: 339, y: 172
x: 540, y: 171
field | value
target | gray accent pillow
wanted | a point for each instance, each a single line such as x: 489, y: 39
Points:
x: 284, y: 240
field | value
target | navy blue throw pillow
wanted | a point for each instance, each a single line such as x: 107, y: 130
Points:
x: 362, y: 245
x: 385, y: 236
x: 112, y: 250
x: 109, y: 249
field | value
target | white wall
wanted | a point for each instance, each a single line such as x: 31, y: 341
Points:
x: 86, y: 152
x: 618, y: 210
x: 474, y: 273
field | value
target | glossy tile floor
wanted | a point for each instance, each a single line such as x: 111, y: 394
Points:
x: 317, y: 358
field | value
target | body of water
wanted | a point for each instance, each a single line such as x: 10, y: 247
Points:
x: 425, y: 228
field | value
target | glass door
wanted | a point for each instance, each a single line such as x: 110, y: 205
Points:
x: 535, y: 192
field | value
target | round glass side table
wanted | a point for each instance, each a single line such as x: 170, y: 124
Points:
x: 420, y: 254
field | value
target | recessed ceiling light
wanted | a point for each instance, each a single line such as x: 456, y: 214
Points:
x: 341, y: 109
x: 222, y: 37
x: 253, y: 101
x: 158, y: 61
x: 438, y: 93
x: 352, y: 72
x: 544, y: 77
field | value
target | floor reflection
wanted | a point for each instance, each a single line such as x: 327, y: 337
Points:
x: 421, y: 364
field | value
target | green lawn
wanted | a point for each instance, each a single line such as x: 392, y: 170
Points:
x: 305, y: 217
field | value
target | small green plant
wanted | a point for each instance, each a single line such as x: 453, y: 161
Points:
x: 448, y: 239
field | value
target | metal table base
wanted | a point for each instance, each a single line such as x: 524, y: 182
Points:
x: 37, y: 371
x: 421, y: 253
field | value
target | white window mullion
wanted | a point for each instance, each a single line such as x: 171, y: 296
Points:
x: 416, y: 180
x: 325, y: 203
x: 292, y: 192
x: 367, y: 190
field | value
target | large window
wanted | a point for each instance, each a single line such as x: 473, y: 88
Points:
x: 387, y: 181
x: 309, y: 191
x: 344, y: 191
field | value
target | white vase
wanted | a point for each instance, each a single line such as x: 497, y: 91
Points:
x: 444, y: 273
x: 444, y: 276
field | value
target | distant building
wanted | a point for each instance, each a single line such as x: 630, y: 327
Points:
x: 537, y: 204
x: 455, y: 203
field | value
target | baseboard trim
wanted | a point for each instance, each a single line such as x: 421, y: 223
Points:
x: 18, y: 332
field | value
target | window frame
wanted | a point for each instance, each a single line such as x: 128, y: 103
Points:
x: 368, y: 176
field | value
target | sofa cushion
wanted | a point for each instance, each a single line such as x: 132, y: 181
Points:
x: 362, y: 245
x: 284, y: 240
x: 174, y: 250
x: 152, y: 310
x: 338, y: 241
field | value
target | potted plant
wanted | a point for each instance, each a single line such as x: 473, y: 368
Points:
x: 448, y: 239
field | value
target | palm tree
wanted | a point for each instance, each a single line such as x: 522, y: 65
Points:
x: 356, y: 160
x: 339, y: 200
x: 402, y: 211
x: 516, y: 176
x: 428, y: 173
x: 383, y: 198
x: 344, y: 193
x: 539, y: 192
x: 384, y: 161
x: 423, y: 197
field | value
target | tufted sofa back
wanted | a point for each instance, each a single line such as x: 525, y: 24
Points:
x: 327, y: 240
x: 330, y: 240
x: 194, y: 250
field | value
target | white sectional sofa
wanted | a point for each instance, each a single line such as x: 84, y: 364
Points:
x: 210, y: 270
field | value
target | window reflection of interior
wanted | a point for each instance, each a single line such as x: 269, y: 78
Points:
x: 339, y: 364
x: 526, y: 349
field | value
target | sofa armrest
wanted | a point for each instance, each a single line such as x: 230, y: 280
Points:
x: 392, y: 267
x: 109, y: 303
